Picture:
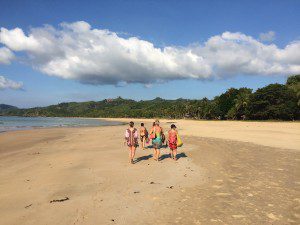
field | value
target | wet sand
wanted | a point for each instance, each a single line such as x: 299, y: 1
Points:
x: 82, y: 176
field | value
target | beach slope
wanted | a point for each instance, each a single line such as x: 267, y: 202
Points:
x: 82, y: 176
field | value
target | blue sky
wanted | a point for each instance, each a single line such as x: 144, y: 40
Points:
x: 164, y: 24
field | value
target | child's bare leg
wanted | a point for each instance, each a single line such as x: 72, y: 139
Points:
x: 132, y: 153
x: 134, y: 149
x: 144, y: 140
x: 129, y: 154
x: 171, y: 154
x: 157, y: 154
x: 175, y: 154
x: 154, y: 154
x: 142, y: 143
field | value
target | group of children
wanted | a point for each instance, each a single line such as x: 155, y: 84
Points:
x: 156, y: 135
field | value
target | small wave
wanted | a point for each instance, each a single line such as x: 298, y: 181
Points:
x: 24, y: 123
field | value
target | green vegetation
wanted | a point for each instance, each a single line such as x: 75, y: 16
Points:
x: 275, y: 102
x: 293, y: 83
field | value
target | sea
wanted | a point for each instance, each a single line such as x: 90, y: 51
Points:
x: 9, y: 123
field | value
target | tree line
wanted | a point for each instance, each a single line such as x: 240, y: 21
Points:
x: 272, y: 102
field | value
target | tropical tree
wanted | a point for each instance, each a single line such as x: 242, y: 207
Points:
x: 241, y: 101
x: 274, y: 101
x: 226, y: 101
x: 293, y: 82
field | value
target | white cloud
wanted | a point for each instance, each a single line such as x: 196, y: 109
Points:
x: 268, y: 36
x: 9, y: 84
x: 6, y: 55
x: 95, y: 56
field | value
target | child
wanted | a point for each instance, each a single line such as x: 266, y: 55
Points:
x: 143, y: 135
x: 172, y: 139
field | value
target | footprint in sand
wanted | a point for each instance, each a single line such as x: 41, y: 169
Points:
x: 235, y: 166
x: 238, y: 216
x: 272, y: 216
x: 297, y: 200
x: 217, y: 186
x: 223, y: 194
x: 291, y: 221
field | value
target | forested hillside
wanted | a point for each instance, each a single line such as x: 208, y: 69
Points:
x: 273, y: 102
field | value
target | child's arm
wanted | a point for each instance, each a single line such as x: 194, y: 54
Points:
x: 126, y: 136
x: 136, y: 135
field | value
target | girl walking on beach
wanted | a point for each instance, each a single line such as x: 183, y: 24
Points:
x: 143, y: 135
x: 172, y: 139
x: 156, y: 136
x: 131, y: 138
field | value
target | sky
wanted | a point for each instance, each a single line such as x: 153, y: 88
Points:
x: 62, y: 51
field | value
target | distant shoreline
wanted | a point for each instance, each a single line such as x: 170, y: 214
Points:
x: 30, y: 123
x: 154, y: 118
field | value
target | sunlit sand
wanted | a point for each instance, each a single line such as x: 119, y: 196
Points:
x: 227, y: 173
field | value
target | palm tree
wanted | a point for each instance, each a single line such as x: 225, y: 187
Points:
x: 241, y: 102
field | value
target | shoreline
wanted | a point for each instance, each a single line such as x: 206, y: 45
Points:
x: 154, y: 118
x: 17, y: 128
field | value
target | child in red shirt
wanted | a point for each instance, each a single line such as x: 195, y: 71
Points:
x: 172, y: 139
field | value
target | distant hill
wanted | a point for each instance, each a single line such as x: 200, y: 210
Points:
x: 272, y: 102
x: 5, y: 107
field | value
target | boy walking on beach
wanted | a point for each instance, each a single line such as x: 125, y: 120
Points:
x: 143, y: 135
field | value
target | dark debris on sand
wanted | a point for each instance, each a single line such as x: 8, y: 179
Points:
x: 60, y: 200
x: 27, y: 206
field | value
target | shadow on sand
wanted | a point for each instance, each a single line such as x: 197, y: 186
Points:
x: 180, y: 155
x: 145, y: 157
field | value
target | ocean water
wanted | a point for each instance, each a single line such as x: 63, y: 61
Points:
x: 8, y: 123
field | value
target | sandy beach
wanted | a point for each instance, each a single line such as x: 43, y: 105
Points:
x: 227, y: 173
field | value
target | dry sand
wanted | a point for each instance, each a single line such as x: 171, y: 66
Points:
x: 250, y: 176
x: 273, y: 134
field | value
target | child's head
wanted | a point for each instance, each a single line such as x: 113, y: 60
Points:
x: 142, y: 124
x: 153, y: 124
x: 173, y: 126
x: 131, y: 124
